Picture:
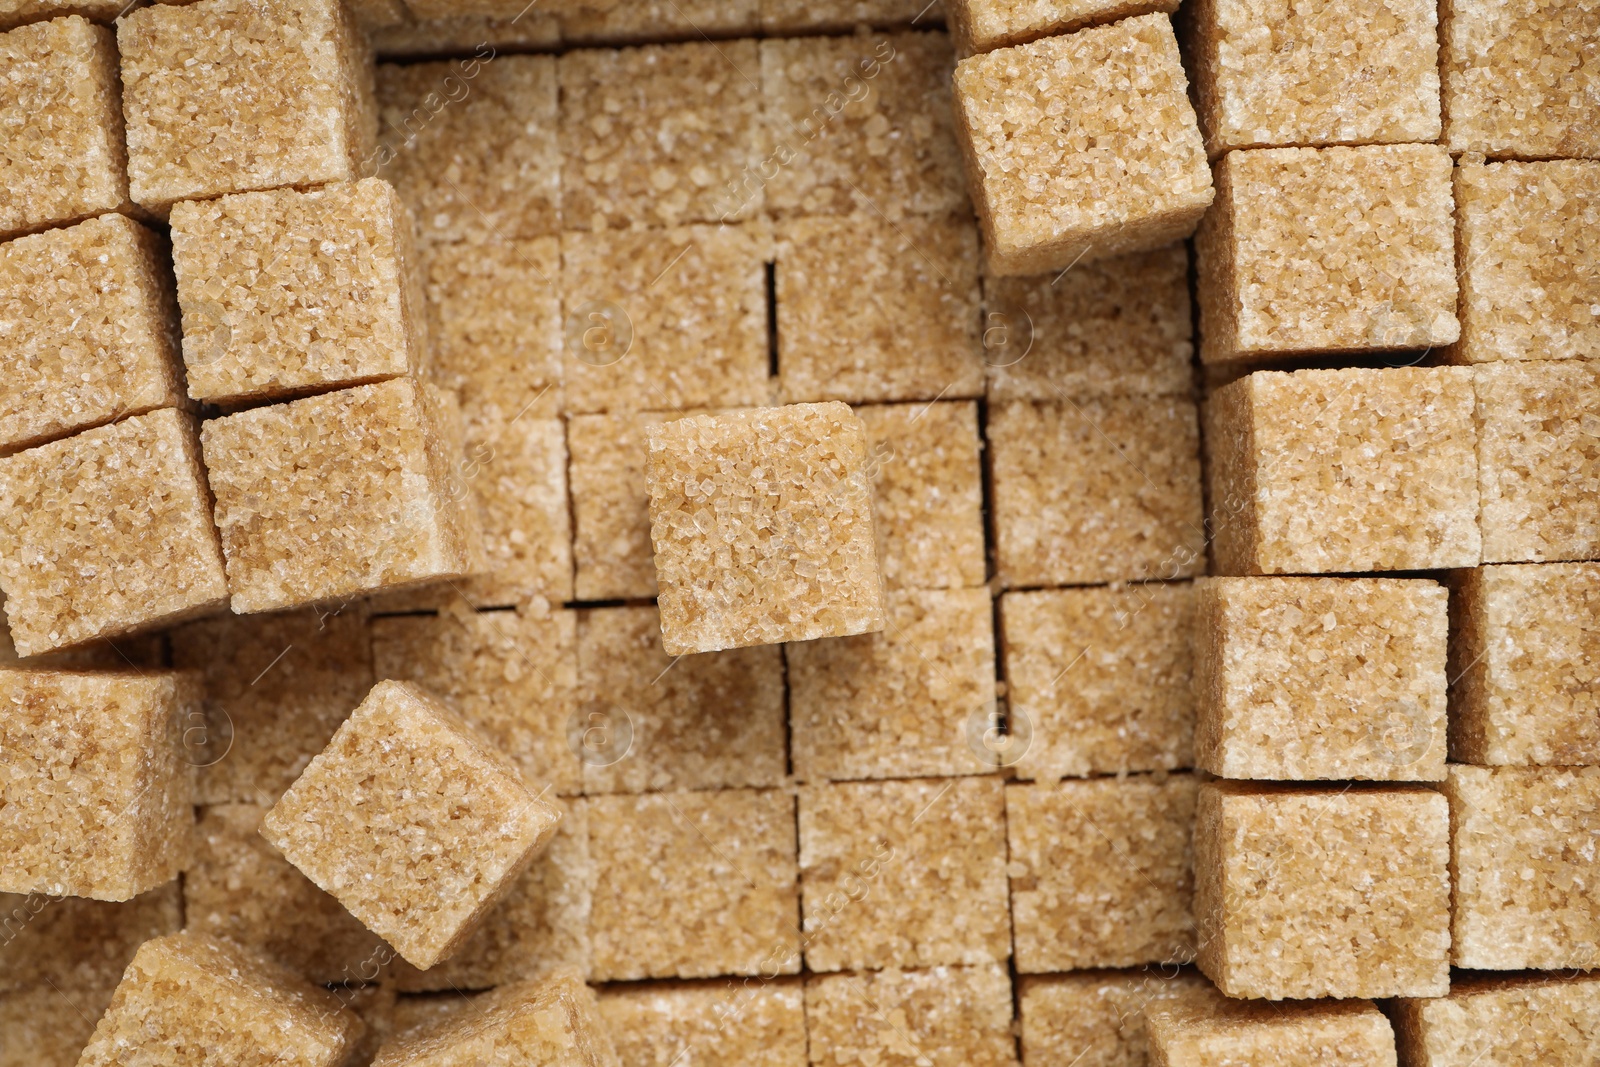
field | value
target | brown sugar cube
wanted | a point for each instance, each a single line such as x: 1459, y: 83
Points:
x: 611, y: 505
x: 1525, y: 665
x: 1104, y: 677
x: 709, y: 721
x: 1206, y: 1029
x: 1523, y: 864
x: 762, y: 526
x: 1517, y: 78
x: 1081, y: 146
x: 287, y: 292
x: 984, y: 25
x: 224, y: 96
x: 896, y: 704
x: 1097, y: 1017
x: 14, y: 13
x: 1299, y: 679
x: 666, y: 319
x: 1112, y: 327
x: 760, y: 1024
x: 412, y: 821
x: 1320, y: 892
x: 901, y: 324
x: 903, y: 873
x: 943, y: 1016
x: 628, y: 21
x: 1313, y: 250
x: 197, y: 999
x: 1097, y: 491
x: 1539, y: 460
x: 375, y: 458
x: 720, y: 863
x: 1498, y: 1021
x: 1530, y: 287
x: 858, y: 125
x: 788, y: 17
x: 89, y: 323
x: 538, y: 27
x: 655, y: 135
x: 1102, y: 872
x: 1359, y: 469
x: 78, y: 945
x: 44, y: 1027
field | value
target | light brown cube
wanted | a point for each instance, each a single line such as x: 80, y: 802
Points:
x: 1337, y: 471
x: 1081, y: 146
x: 1097, y: 491
x: 1207, y: 1029
x: 629, y: 21
x: 943, y: 1016
x: 453, y: 34
x: 1313, y: 250
x: 14, y: 13
x: 1323, y: 892
x: 790, y: 17
x: 1497, y: 1021
x: 1097, y: 1017
x: 75, y: 945
x: 611, y: 546
x: 984, y: 25
x: 750, y: 1024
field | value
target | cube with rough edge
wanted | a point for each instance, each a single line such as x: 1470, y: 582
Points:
x: 1530, y: 285
x: 908, y: 873
x: 47, y: 1028
x: 1098, y: 491
x: 1316, y: 250
x: 702, y: 722
x: 901, y: 324
x: 224, y: 96
x: 984, y: 25
x: 858, y: 125
x: 1305, y: 892
x: 90, y: 326
x: 1207, y: 1029
x: 621, y: 22
x: 1539, y: 460
x: 1523, y: 844
x: 106, y: 533
x: 75, y: 944
x: 338, y: 495
x: 719, y: 863
x: 896, y: 704
x: 1102, y: 872
x: 1081, y: 146
x: 14, y: 13
x: 761, y: 1024
x: 944, y: 1016
x: 762, y: 527
x: 63, y: 157
x: 1337, y: 471
x: 1112, y: 327
x: 288, y: 292
x: 1300, y: 679
x: 413, y: 821
x: 1518, y: 80
x: 1097, y: 1016
x: 1503, y: 1020
x: 511, y: 674
x: 195, y: 999
x: 1360, y: 72
x: 1103, y: 677
x: 1525, y: 665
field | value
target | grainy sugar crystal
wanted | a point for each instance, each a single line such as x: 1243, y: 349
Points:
x: 984, y: 25
x: 1099, y: 1016
x: 735, y: 1024
x: 941, y: 1016
x: 72, y: 944
x: 623, y: 21
x: 1207, y: 1029
x: 14, y: 13
x: 1500, y: 1020
x: 795, y: 16
x: 467, y: 34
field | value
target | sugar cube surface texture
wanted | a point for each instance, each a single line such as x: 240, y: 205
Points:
x: 1503, y: 1020
x: 1097, y: 1016
x: 943, y: 1016
x: 762, y: 526
x: 984, y: 25
x: 412, y: 821
x: 74, y: 944
x: 760, y: 1025
x: 14, y: 13
x: 1082, y: 146
x: 1208, y: 1029
x: 107, y: 532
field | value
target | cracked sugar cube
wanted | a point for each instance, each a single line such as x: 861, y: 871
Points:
x: 1081, y: 146
x: 1525, y: 665
x: 1539, y: 460
x: 647, y: 721
x: 106, y: 533
x: 759, y: 1024
x: 1501, y: 1020
x: 762, y: 526
x: 1097, y: 1017
x: 1317, y: 250
x: 88, y: 318
x: 629, y: 21
x: 1305, y: 892
x: 944, y: 1016
x: 289, y: 292
x: 198, y: 999
x: 1102, y: 872
x: 719, y: 863
x: 1523, y: 843
x: 76, y: 945
x: 903, y: 874
x: 1098, y: 491
x: 611, y: 547
x: 984, y: 25
x: 225, y: 96
x: 1103, y: 678
x: 1300, y: 679
x: 901, y: 324
x: 1208, y: 1028
x: 338, y: 495
x: 1339, y: 471
x: 412, y: 821
x: 1530, y: 286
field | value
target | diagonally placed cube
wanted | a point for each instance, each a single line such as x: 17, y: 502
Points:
x: 984, y: 25
x: 762, y: 526
x: 1498, y: 1021
x: 1081, y: 146
x: 1207, y: 1029
x: 412, y: 821
x: 1097, y: 1016
x: 759, y: 1024
x: 945, y: 1016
